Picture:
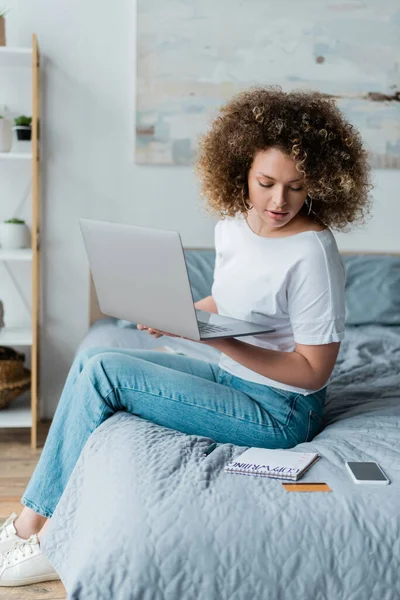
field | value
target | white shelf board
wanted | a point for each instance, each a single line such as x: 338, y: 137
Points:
x: 15, y: 57
x: 15, y: 155
x: 18, y: 413
x: 17, y: 254
x: 16, y: 336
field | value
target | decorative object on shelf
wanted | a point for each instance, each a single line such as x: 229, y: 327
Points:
x: 14, y: 233
x: 2, y: 324
x: 2, y: 27
x: 23, y: 127
x: 5, y: 135
x: 14, y: 377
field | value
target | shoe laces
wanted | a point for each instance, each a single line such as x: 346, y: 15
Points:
x: 19, y: 550
x: 4, y: 533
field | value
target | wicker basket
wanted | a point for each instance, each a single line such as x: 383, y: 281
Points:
x: 14, y: 378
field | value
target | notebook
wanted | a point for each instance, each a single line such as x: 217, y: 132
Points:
x: 281, y: 464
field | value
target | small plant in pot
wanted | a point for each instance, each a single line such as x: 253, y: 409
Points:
x: 14, y: 233
x: 23, y: 127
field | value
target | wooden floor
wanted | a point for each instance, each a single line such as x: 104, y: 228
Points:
x: 17, y: 463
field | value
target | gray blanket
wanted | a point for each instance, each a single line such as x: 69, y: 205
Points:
x: 145, y: 516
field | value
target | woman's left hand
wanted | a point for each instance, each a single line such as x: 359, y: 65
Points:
x: 156, y: 333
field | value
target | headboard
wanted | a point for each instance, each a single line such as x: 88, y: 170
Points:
x: 95, y: 312
x: 94, y: 309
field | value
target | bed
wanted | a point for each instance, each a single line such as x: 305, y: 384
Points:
x: 144, y: 516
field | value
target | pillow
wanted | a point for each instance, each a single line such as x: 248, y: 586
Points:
x: 200, y: 265
x: 372, y: 289
x: 372, y: 286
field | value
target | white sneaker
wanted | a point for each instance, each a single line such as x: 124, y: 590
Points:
x: 8, y: 534
x: 25, y: 564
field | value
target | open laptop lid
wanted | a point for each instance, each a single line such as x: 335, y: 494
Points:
x: 140, y: 275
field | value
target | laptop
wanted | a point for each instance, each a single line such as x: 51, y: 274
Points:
x: 140, y: 275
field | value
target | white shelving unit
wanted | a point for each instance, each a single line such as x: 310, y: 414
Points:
x: 18, y: 414
x: 15, y: 155
x: 24, y: 411
x: 23, y: 254
x: 15, y: 57
x: 15, y: 336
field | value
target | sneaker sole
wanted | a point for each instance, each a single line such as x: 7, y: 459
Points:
x: 29, y: 581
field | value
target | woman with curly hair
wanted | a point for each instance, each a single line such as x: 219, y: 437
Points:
x: 280, y: 170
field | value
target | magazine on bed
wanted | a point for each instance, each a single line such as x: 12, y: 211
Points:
x: 280, y: 464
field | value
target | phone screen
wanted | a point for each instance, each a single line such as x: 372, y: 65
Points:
x: 367, y: 471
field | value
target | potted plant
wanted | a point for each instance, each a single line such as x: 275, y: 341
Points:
x: 5, y: 135
x: 2, y: 27
x: 14, y: 233
x: 23, y: 128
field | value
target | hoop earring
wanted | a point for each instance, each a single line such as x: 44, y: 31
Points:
x: 309, y: 204
x: 245, y: 205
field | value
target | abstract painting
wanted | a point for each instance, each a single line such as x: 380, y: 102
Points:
x: 193, y: 56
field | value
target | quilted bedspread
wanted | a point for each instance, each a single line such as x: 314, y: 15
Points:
x: 146, y: 517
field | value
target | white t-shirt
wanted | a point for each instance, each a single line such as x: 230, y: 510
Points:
x: 295, y: 284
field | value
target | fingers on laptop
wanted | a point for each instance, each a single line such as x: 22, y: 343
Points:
x: 154, y: 332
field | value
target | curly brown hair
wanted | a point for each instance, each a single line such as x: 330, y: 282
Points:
x: 309, y: 127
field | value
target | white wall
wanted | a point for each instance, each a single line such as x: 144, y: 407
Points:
x: 89, y: 171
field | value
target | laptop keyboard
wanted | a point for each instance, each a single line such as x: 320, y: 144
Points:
x: 207, y: 328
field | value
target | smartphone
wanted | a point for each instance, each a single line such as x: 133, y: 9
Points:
x: 366, y: 472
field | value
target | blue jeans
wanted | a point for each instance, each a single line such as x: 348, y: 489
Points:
x: 179, y: 392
